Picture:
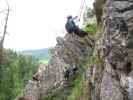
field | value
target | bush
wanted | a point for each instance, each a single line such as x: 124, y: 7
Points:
x: 91, y: 28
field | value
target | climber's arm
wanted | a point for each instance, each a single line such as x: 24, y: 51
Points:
x: 74, y: 18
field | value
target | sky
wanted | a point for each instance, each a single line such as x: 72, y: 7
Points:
x: 35, y: 24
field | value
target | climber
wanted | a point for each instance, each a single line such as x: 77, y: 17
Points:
x: 74, y: 70
x: 70, y: 72
x: 66, y: 74
x: 71, y: 27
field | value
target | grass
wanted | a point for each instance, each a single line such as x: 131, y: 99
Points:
x: 91, y: 28
x: 77, y: 90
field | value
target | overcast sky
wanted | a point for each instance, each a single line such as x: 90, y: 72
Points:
x: 35, y: 24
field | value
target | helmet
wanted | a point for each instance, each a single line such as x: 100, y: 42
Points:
x: 69, y: 17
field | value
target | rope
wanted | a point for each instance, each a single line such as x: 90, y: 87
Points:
x: 81, y: 8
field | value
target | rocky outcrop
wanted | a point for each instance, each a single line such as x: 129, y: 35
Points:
x: 115, y: 80
x: 32, y: 90
x: 111, y: 74
x: 70, y: 51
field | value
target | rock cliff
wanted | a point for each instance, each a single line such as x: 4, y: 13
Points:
x: 110, y: 72
x: 114, y: 81
x: 70, y: 50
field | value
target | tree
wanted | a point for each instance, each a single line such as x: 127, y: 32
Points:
x: 2, y: 38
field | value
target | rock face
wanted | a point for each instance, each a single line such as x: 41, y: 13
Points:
x: 70, y: 50
x: 112, y: 78
x: 32, y: 90
x: 115, y: 81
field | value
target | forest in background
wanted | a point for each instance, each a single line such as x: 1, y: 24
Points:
x: 16, y: 70
x: 41, y: 55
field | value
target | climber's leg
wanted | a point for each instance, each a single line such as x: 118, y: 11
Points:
x: 82, y: 33
x: 66, y: 76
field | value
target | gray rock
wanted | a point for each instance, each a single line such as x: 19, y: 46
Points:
x: 32, y: 90
x: 110, y: 88
x: 111, y: 80
x: 115, y: 46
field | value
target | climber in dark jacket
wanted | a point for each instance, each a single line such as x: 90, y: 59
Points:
x: 66, y: 74
x: 70, y: 72
x: 71, y: 27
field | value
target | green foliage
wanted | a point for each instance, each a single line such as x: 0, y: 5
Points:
x: 44, y: 61
x: 91, y: 28
x: 77, y: 90
x: 16, y: 70
x: 41, y: 55
x: 38, y: 54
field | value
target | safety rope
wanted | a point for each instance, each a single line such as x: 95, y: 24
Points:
x: 83, y: 3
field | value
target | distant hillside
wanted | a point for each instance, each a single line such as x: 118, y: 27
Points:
x: 40, y: 54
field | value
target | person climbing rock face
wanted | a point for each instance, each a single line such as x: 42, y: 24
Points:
x: 71, y: 27
x: 71, y: 71
x: 66, y: 74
